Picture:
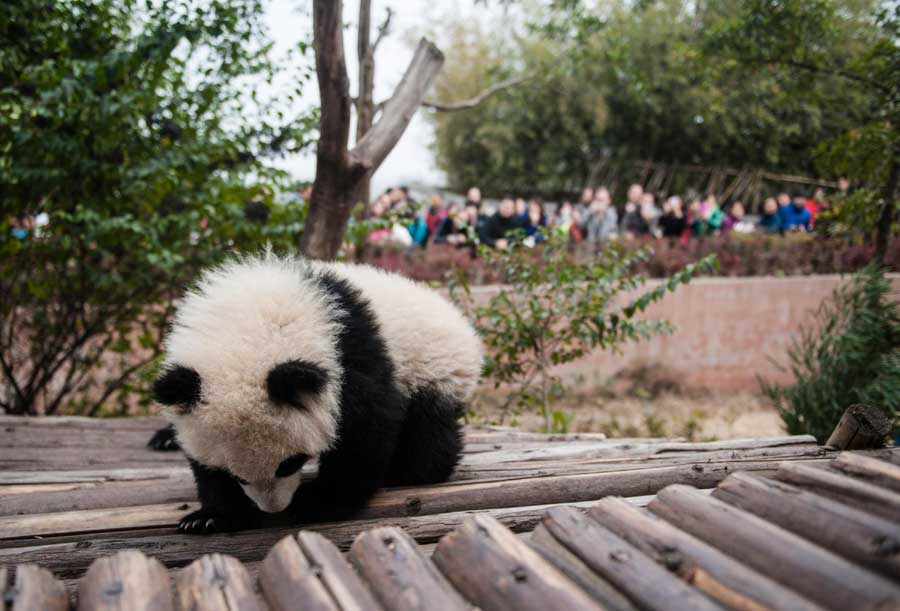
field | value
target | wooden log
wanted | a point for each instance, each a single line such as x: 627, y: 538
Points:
x: 526, y: 491
x: 128, y: 580
x: 70, y: 558
x: 623, y: 565
x: 815, y: 573
x: 34, y: 588
x: 401, y: 577
x: 706, y: 568
x: 93, y: 520
x: 569, y: 565
x: 862, y: 427
x: 854, y: 534
x: 216, y: 582
x: 878, y: 472
x: 495, y: 570
x: 864, y: 496
x: 307, y: 571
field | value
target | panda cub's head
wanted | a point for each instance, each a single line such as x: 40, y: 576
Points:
x: 252, y: 374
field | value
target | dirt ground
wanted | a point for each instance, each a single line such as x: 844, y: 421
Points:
x: 639, y: 403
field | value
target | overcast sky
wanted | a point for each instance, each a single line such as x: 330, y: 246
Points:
x: 412, y: 160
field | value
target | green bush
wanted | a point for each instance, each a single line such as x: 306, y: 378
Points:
x: 128, y: 124
x: 850, y: 354
x: 554, y: 309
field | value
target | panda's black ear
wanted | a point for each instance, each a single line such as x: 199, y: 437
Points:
x: 177, y: 385
x: 287, y: 381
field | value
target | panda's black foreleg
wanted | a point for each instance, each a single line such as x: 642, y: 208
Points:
x: 430, y: 443
x: 223, y: 505
x: 355, y: 469
x: 164, y: 439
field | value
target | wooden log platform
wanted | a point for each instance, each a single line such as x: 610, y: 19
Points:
x: 529, y: 521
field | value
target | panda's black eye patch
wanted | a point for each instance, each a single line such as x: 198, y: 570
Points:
x: 177, y: 385
x: 287, y: 381
x: 291, y: 465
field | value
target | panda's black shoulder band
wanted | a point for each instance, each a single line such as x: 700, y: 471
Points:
x: 178, y: 385
x: 289, y: 380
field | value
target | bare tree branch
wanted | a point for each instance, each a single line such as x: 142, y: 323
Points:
x: 378, y: 141
x: 334, y: 84
x: 478, y: 99
x: 384, y: 29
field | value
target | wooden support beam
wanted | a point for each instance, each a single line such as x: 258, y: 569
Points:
x: 127, y: 580
x: 862, y: 427
x: 854, y: 534
x: 400, y: 575
x: 706, y: 568
x: 817, y: 574
x: 878, y: 472
x: 495, y: 570
x: 216, y: 583
x: 862, y: 495
x: 307, y: 571
x: 34, y: 588
x: 622, y: 564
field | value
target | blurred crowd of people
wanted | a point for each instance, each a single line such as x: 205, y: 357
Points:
x: 593, y: 218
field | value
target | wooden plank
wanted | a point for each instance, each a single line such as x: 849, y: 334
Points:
x: 495, y: 570
x: 572, y: 567
x: 307, y: 571
x: 622, y: 564
x: 859, y: 494
x: 878, y: 472
x: 44, y: 459
x: 34, y: 478
x: 216, y: 582
x: 706, y: 568
x: 468, y: 470
x: 93, y: 520
x: 128, y: 580
x: 814, y: 572
x: 97, y: 496
x: 70, y: 558
x: 34, y: 588
x: 854, y: 534
x: 400, y: 576
x: 607, y: 449
x: 150, y: 423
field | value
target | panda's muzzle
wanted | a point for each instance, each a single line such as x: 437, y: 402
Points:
x: 274, y: 495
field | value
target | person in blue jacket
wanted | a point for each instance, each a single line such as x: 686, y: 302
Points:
x: 795, y: 216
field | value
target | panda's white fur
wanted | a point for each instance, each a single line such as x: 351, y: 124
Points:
x: 249, y: 315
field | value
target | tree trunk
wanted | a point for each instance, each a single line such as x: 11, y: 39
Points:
x: 886, y: 218
x: 340, y: 173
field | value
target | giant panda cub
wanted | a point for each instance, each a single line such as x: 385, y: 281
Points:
x: 273, y: 361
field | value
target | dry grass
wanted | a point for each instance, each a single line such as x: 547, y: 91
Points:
x: 641, y: 402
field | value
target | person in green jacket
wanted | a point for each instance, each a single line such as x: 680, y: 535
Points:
x: 709, y: 217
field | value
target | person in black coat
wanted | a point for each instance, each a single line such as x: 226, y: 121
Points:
x: 495, y: 233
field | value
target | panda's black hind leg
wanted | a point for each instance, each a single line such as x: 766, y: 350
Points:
x: 164, y: 439
x: 430, y: 442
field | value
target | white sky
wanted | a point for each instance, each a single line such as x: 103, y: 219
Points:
x: 412, y: 160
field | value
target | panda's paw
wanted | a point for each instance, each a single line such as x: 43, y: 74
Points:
x: 164, y: 440
x: 204, y: 522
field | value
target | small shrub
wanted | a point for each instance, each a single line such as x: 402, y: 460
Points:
x: 554, y: 309
x: 850, y: 354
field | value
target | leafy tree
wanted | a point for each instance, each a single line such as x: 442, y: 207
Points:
x: 126, y: 123
x: 828, y: 43
x: 850, y: 354
x: 554, y: 310
x: 637, y: 80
